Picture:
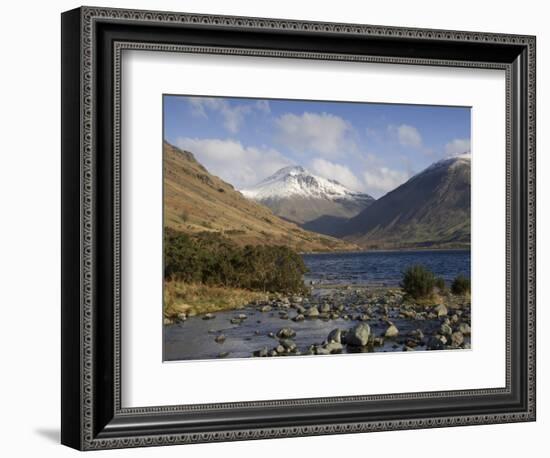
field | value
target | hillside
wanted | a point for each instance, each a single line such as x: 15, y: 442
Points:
x: 196, y: 201
x: 430, y: 210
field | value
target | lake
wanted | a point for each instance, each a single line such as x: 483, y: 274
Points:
x: 383, y: 267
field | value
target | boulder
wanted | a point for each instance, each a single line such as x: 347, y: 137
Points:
x: 262, y: 352
x: 436, y: 343
x: 265, y: 308
x: 288, y: 344
x: 391, y: 332
x: 285, y: 333
x: 333, y: 347
x: 335, y: 336
x: 457, y: 339
x: 208, y: 316
x: 313, y: 312
x: 298, y: 317
x: 464, y: 328
x: 325, y: 308
x: 358, y: 336
x: 445, y: 329
x: 441, y: 310
x: 219, y: 339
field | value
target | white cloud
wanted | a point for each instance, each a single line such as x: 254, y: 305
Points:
x: 239, y: 165
x: 337, y: 172
x: 380, y: 180
x: 322, y: 133
x: 406, y: 135
x: 457, y: 146
x: 233, y: 115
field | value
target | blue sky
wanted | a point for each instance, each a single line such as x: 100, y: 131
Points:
x: 368, y: 147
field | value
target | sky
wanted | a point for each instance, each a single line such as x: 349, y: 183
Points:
x: 367, y: 147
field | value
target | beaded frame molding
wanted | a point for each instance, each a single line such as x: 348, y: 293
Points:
x: 93, y: 40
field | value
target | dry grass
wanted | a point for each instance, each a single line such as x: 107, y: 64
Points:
x: 195, y: 299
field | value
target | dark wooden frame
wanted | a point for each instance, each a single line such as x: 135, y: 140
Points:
x: 92, y: 42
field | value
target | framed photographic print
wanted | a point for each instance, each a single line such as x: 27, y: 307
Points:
x: 277, y: 228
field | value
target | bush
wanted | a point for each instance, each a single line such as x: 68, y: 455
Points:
x: 440, y: 283
x: 418, y: 282
x: 211, y: 259
x: 461, y: 285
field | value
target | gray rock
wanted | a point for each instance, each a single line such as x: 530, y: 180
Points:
x: 279, y: 349
x: 391, y: 332
x: 262, y: 352
x: 335, y: 336
x: 286, y: 333
x: 435, y: 343
x: 298, y: 318
x: 219, y: 339
x: 441, y: 310
x: 358, y: 336
x: 325, y: 308
x: 182, y: 317
x: 457, y: 339
x: 167, y: 321
x: 288, y: 344
x: 333, y: 347
x: 445, y: 329
x: 265, y: 308
x: 464, y: 328
x: 208, y: 316
x: 313, y: 312
x: 242, y: 316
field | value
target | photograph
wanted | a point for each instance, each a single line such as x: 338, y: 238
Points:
x: 298, y: 227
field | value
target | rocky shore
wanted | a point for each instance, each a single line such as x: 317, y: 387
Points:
x: 334, y: 320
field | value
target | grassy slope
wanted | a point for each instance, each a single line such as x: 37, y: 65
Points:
x: 196, y: 201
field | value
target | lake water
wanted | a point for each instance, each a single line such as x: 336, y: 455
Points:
x: 383, y: 267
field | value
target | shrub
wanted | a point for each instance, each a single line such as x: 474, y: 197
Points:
x: 418, y: 282
x: 461, y: 285
x: 440, y: 283
x: 212, y: 259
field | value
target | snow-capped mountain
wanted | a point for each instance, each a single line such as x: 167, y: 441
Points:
x: 295, y: 194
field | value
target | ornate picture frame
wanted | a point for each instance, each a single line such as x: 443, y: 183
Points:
x: 93, y: 416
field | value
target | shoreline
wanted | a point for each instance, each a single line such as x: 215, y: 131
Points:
x: 388, y: 250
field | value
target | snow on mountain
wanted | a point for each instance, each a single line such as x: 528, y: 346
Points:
x: 295, y: 181
x: 450, y: 161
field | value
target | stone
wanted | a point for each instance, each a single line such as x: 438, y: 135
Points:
x: 242, y: 316
x: 313, y: 312
x: 286, y: 333
x: 167, y: 321
x: 445, y: 329
x: 182, y: 317
x: 279, y: 349
x: 391, y: 332
x: 288, y: 344
x: 208, y: 316
x: 220, y: 339
x: 437, y: 342
x: 235, y: 321
x: 334, y: 347
x: 336, y: 335
x: 464, y: 328
x: 358, y: 336
x: 298, y: 318
x: 325, y: 308
x: 457, y: 339
x: 262, y: 352
x: 265, y: 308
x: 441, y: 310
x: 223, y: 354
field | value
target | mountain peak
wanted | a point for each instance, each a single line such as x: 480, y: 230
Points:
x: 295, y: 180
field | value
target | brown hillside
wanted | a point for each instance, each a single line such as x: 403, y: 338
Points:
x: 196, y: 201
